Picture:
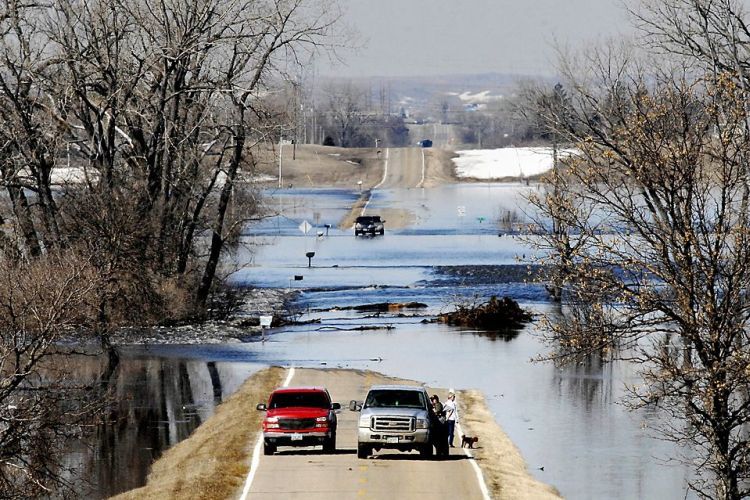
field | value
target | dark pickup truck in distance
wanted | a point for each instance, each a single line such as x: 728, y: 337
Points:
x: 299, y: 416
x: 369, y: 224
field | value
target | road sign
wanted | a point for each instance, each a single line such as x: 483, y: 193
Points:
x: 305, y: 227
x: 265, y: 321
x: 461, y: 211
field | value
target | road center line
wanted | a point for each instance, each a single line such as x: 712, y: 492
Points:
x: 255, y: 461
x: 475, y: 466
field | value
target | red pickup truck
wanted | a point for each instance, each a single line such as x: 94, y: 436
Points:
x: 299, y: 416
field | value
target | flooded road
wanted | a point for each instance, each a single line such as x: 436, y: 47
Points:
x: 461, y: 248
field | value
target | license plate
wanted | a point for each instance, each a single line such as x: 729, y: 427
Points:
x: 391, y: 439
x: 296, y: 437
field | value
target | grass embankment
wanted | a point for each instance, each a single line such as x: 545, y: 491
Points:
x: 214, y: 461
x: 504, y: 469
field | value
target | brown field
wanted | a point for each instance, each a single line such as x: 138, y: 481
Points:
x: 321, y: 166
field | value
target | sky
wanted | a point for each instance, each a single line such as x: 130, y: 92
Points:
x: 432, y: 37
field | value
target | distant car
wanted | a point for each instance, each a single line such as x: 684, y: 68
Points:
x: 299, y: 416
x: 425, y: 143
x: 369, y: 224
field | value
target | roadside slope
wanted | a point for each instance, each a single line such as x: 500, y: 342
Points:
x: 504, y: 469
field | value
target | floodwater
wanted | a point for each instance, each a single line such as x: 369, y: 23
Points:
x: 462, y: 248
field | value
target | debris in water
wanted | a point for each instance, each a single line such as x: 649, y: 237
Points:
x: 497, y: 313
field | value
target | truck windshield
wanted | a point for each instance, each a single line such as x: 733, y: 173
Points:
x: 299, y: 399
x: 395, y: 398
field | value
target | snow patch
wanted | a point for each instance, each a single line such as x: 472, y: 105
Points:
x: 480, y: 97
x: 505, y: 162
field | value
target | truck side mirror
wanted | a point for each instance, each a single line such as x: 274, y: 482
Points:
x: 335, y: 406
x: 354, y: 406
x: 261, y: 407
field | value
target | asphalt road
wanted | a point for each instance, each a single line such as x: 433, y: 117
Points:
x: 308, y: 473
x: 404, y: 168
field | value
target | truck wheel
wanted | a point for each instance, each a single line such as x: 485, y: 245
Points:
x: 426, y: 451
x: 382, y: 232
x: 329, y: 445
x: 268, y: 449
x: 363, y: 451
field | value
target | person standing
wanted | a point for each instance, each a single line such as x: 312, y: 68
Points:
x: 437, y: 406
x: 439, y: 433
x: 451, y: 415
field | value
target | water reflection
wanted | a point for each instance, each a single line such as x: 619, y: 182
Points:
x: 505, y: 335
x: 158, y: 402
x: 590, y: 381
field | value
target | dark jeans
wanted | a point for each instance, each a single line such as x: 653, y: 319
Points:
x: 451, y: 428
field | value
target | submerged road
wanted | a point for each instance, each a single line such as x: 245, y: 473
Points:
x: 308, y: 473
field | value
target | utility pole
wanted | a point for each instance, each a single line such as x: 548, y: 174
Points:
x: 281, y: 150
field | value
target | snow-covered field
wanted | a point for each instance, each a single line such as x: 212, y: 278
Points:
x: 505, y: 162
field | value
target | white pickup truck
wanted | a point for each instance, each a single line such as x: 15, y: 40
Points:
x: 395, y: 417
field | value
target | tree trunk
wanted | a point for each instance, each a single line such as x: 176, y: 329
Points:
x: 217, y: 239
x: 23, y: 215
x: 113, y: 356
x: 49, y: 207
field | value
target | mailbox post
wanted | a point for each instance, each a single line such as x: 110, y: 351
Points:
x: 309, y: 256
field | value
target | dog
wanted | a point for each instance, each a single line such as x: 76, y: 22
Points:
x: 468, y: 441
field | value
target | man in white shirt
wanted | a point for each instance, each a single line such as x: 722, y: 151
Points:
x: 451, y: 415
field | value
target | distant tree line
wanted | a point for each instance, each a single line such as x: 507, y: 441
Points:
x: 346, y: 115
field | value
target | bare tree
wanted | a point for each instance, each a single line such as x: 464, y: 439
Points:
x: 346, y: 113
x: 41, y: 303
x: 28, y: 139
x: 156, y: 103
x: 656, y: 208
x: 156, y: 106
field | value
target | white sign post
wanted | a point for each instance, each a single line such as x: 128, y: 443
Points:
x: 305, y: 227
x: 265, y: 321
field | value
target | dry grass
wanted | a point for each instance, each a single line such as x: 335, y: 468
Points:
x: 348, y: 221
x: 439, y: 167
x: 214, y: 462
x: 504, y: 469
x: 322, y: 166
